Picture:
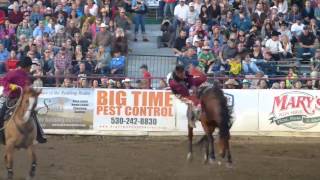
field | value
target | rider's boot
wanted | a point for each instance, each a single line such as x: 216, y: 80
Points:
x: 40, y: 134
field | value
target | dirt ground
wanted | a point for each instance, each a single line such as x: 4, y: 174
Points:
x: 155, y: 158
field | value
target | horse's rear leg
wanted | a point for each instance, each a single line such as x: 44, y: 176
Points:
x: 33, y: 158
x: 8, y: 159
x: 229, y: 158
x: 190, y: 136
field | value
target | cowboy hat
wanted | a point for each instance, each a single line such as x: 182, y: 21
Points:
x: 205, y: 48
x: 126, y: 80
x: 231, y: 82
x: 25, y: 62
x: 103, y: 25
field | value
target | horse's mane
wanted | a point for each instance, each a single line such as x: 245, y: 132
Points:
x: 226, y: 123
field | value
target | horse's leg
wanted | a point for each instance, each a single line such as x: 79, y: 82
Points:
x: 206, y: 153
x: 229, y: 157
x: 33, y: 158
x: 190, y: 136
x: 212, y: 156
x: 8, y: 158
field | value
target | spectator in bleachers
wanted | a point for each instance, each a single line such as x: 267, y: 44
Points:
x: 60, y: 37
x: 71, y: 28
x: 206, y: 59
x: 123, y: 21
x: 315, y: 66
x: 307, y: 12
x: 274, y: 45
x: 169, y: 8
x: 188, y: 58
x: 146, y: 75
x: 120, y: 41
x: 127, y: 83
x: 262, y: 84
x: 4, y: 55
x: 41, y: 29
x: 307, y: 43
x: 180, y: 42
x: 286, y: 46
x: 117, y: 63
x: 291, y: 78
x: 245, y: 84
x: 15, y: 16
x: 192, y: 15
x: 25, y: 29
x: 163, y: 85
x: 103, y: 58
x: 91, y: 7
x: 180, y: 13
x: 249, y: 65
x: 95, y: 84
x: 139, y: 10
x: 103, y: 38
x: 35, y: 15
x: 231, y: 84
x: 12, y: 61
x: 62, y: 64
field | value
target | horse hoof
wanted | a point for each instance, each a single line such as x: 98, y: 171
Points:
x: 205, y: 159
x: 219, y: 163
x: 229, y: 165
x: 212, y: 161
x: 189, y: 157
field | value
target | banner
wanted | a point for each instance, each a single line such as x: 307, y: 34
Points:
x: 137, y: 109
x: 68, y: 108
x: 244, y: 106
x: 289, y: 110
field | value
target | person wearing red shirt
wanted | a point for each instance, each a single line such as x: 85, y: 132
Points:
x: 146, y: 74
x: 15, y: 16
x: 12, y: 62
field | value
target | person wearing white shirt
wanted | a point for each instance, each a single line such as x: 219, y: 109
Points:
x: 91, y: 7
x: 274, y: 45
x: 282, y: 6
x: 181, y: 11
x: 285, y: 31
x: 192, y: 15
x: 297, y: 28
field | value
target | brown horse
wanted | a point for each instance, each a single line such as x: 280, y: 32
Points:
x: 20, y: 130
x: 215, y: 114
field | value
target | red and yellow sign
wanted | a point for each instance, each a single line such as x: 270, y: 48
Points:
x: 133, y: 109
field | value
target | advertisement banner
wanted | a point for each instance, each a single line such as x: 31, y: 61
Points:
x: 146, y: 110
x: 68, y: 108
x: 289, y: 110
x: 243, y: 103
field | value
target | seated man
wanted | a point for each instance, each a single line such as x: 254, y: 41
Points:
x: 182, y: 81
x: 188, y: 58
x: 117, y: 63
x: 307, y: 43
x: 13, y: 79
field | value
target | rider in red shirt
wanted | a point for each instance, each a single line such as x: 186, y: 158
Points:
x: 184, y: 83
x: 11, y: 81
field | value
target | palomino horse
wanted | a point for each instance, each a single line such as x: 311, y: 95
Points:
x: 20, y: 130
x: 215, y: 114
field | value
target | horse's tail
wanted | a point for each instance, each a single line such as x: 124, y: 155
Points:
x: 226, y: 118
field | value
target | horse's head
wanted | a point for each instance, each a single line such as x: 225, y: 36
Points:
x: 29, y: 101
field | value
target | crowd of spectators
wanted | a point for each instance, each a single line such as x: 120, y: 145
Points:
x: 244, y: 39
x: 69, y: 38
x: 237, y: 39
